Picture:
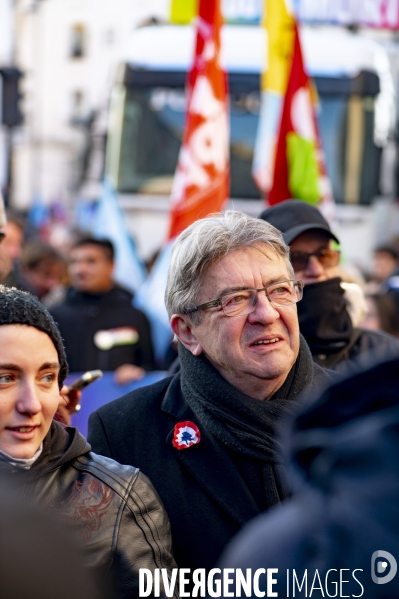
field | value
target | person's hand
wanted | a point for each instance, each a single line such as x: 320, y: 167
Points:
x: 69, y: 404
x: 127, y: 373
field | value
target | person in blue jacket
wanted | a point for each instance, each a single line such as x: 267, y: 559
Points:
x: 340, y: 529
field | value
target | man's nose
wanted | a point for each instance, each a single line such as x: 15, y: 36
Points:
x: 28, y: 401
x: 77, y: 271
x: 314, y: 268
x: 264, y: 312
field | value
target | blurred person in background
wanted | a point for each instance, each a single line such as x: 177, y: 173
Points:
x: 42, y: 271
x: 324, y: 313
x: 114, y: 509
x: 384, y: 265
x: 388, y: 311
x: 384, y: 312
x: 5, y: 266
x: 99, y: 325
x: 5, y: 262
x: 12, y: 244
x: 386, y: 299
x: 342, y: 452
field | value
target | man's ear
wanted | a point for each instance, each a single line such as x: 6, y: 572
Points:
x: 183, y: 329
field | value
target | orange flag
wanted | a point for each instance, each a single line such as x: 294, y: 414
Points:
x: 201, y: 183
x: 299, y: 167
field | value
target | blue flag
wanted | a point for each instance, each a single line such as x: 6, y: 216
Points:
x: 150, y: 299
x: 83, y: 215
x: 39, y: 213
x: 108, y: 222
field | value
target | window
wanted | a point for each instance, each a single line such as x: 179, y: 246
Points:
x: 77, y: 41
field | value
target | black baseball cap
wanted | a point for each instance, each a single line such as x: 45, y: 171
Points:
x: 293, y: 217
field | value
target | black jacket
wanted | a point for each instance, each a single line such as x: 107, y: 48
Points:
x: 343, y: 451
x: 335, y: 343
x: 203, y: 492
x: 365, y: 347
x: 81, y: 315
x: 114, y: 509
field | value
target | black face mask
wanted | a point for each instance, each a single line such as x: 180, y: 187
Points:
x: 323, y: 318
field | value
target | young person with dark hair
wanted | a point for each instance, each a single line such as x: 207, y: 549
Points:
x: 114, y: 509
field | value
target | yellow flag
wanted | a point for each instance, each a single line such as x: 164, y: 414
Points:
x: 183, y: 11
x: 279, y: 21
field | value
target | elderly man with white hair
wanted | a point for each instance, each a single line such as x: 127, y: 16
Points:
x: 208, y: 437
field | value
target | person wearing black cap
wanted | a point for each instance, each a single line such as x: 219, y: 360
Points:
x: 324, y: 319
x: 114, y: 509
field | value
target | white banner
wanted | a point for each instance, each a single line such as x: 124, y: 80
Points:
x: 382, y: 14
x: 372, y: 13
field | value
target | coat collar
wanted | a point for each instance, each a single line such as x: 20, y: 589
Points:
x: 209, y: 462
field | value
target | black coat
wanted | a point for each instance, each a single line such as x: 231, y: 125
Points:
x: 368, y: 347
x: 335, y: 343
x: 203, y: 492
x: 81, y: 315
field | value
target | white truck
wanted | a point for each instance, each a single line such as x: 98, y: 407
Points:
x: 357, y: 118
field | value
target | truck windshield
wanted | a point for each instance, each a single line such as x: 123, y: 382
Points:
x: 152, y: 128
x: 151, y: 137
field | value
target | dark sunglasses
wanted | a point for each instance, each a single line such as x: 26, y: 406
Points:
x: 327, y: 258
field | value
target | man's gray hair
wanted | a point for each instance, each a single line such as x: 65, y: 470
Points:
x: 211, y: 239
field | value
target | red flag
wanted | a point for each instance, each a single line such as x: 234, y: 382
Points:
x: 201, y: 183
x: 299, y: 168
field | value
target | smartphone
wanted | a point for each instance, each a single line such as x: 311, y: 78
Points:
x: 86, y: 379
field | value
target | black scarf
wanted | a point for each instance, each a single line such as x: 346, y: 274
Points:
x: 247, y: 426
x: 324, y: 320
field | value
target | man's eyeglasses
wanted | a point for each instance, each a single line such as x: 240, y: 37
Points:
x: 326, y: 256
x: 283, y: 293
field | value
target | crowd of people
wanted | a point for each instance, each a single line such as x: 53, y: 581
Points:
x: 98, y: 322
x: 281, y: 406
